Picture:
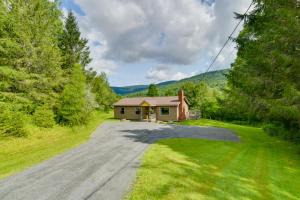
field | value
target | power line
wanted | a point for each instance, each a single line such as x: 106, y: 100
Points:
x: 230, y: 36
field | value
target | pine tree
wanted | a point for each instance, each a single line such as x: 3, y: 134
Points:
x: 29, y: 38
x: 265, y: 78
x: 29, y: 54
x: 74, y: 48
x: 72, y: 106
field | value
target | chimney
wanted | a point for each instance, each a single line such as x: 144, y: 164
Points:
x: 181, y: 105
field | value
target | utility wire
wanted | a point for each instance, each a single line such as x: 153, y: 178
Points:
x: 230, y: 36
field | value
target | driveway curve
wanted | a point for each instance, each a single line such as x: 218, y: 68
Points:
x: 104, y: 167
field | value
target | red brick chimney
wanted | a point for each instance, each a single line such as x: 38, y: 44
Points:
x: 181, y: 105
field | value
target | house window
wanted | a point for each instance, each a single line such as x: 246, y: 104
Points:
x: 164, y: 111
x: 138, y: 111
x: 122, y: 111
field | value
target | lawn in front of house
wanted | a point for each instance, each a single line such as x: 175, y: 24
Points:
x: 257, y: 167
x: 17, y: 154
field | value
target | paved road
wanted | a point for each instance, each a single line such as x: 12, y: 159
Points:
x: 101, y: 169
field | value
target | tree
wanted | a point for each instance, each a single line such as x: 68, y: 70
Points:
x: 74, y: 48
x: 72, y: 106
x: 30, y: 59
x: 152, y: 91
x: 264, y: 81
x: 44, y: 117
x: 170, y: 92
x: 104, y: 95
x: 202, y: 98
x: 29, y: 38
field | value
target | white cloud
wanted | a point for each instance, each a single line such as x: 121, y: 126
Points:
x: 165, y: 73
x: 164, y: 31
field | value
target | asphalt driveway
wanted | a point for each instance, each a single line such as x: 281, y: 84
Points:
x: 101, y: 169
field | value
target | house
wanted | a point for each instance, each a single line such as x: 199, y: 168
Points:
x: 174, y: 108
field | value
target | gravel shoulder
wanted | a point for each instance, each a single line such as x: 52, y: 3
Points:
x: 104, y: 167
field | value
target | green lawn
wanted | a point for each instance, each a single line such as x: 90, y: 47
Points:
x: 16, y: 154
x: 258, y: 167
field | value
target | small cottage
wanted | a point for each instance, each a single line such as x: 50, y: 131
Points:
x: 173, y: 108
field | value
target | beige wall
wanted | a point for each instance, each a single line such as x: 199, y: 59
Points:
x: 173, y: 115
x: 129, y: 113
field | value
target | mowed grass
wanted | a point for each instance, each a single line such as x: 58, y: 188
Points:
x: 17, y: 154
x: 258, y: 167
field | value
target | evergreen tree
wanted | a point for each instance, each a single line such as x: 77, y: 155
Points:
x: 29, y: 38
x: 74, y: 48
x: 72, y: 106
x: 29, y: 49
x: 265, y: 79
x: 152, y: 91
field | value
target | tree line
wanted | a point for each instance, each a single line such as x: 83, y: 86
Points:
x: 43, y: 75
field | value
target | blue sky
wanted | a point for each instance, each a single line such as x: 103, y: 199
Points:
x: 142, y: 41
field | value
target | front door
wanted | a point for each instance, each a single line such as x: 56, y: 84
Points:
x: 146, y: 110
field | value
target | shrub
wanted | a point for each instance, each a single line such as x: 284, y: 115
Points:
x: 72, y: 106
x: 44, y: 117
x: 274, y: 130
x: 11, y: 122
x: 279, y: 131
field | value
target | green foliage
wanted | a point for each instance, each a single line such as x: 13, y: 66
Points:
x: 104, y: 95
x: 202, y: 98
x: 279, y: 130
x: 74, y: 48
x: 152, y: 91
x: 72, y: 105
x: 44, y: 117
x: 37, y: 57
x: 30, y: 36
x: 170, y: 92
x: 11, y: 121
x: 265, y: 79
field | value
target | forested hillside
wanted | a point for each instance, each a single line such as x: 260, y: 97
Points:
x: 216, y: 79
x: 43, y: 76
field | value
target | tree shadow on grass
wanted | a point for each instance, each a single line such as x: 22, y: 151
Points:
x: 200, y: 169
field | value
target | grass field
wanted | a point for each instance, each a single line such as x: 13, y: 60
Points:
x: 16, y: 154
x: 258, y: 167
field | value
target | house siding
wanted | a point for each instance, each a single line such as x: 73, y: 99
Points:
x: 129, y: 113
x: 173, y: 115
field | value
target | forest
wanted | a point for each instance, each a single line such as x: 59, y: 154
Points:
x: 43, y: 75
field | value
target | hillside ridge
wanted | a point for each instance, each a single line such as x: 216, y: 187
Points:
x: 214, y: 79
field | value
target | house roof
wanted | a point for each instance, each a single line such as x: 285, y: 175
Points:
x: 152, y: 101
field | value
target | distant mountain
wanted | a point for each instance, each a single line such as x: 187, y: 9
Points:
x: 213, y: 79
x: 129, y: 89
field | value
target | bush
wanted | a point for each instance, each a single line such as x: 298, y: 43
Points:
x: 44, y: 117
x: 274, y: 130
x: 279, y: 131
x: 11, y: 122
